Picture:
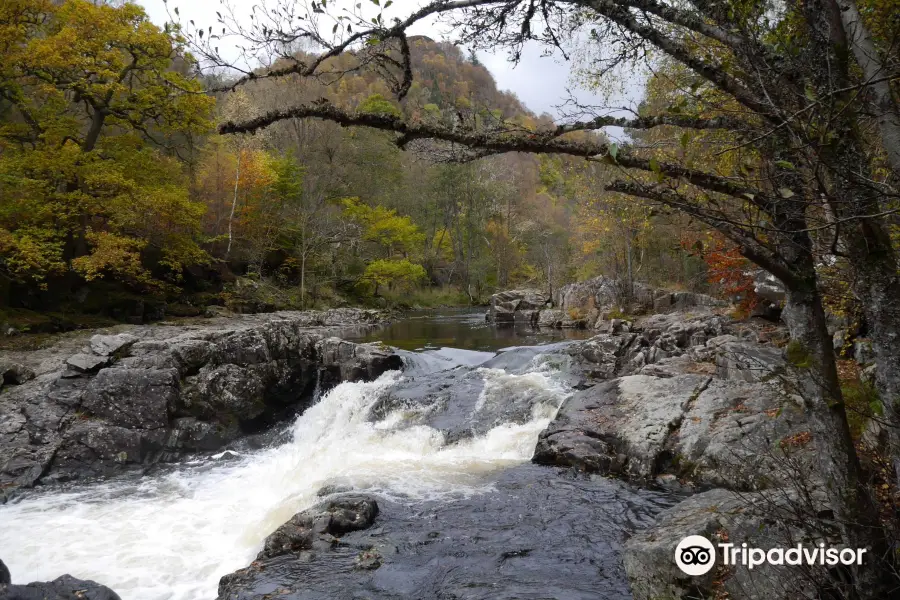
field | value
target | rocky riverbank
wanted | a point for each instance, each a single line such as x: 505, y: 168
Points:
x: 705, y: 407
x: 591, y: 304
x: 137, y: 396
x: 680, y: 423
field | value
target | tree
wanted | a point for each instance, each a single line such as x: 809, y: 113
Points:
x: 93, y: 100
x: 780, y: 82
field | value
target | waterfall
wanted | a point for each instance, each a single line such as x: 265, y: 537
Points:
x: 173, y: 536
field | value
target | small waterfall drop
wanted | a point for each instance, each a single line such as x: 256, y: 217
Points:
x: 172, y: 537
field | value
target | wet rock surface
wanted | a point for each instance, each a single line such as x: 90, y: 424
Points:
x: 535, y: 535
x: 696, y: 404
x: 117, y: 401
x: 61, y: 588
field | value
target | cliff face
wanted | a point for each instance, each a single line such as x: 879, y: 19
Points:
x: 154, y: 394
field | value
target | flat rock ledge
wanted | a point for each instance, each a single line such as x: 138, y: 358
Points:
x: 153, y: 394
x: 691, y: 403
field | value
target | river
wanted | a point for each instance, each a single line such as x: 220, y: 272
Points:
x: 450, y: 437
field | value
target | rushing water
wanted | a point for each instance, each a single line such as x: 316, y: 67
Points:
x: 173, y: 536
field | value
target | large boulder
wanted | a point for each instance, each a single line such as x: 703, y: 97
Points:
x: 713, y: 414
x: 157, y: 392
x: 763, y: 520
x: 592, y: 298
x: 517, y: 305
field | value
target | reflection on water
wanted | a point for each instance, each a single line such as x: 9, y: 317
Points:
x: 464, y: 328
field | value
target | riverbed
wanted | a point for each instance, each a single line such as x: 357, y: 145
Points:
x: 444, y: 445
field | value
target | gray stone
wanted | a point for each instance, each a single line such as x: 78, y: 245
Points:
x: 112, y: 345
x: 61, y: 588
x: 758, y: 519
x: 13, y: 373
x: 748, y: 361
x: 319, y: 526
x: 517, y: 305
x: 634, y: 416
x: 133, y: 398
x: 683, y: 300
x: 863, y: 352
x: 551, y: 317
x: 87, y: 363
x: 173, y: 390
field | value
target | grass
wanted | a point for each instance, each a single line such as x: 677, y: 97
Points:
x: 430, y: 297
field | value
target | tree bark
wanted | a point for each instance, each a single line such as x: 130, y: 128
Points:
x: 874, y: 70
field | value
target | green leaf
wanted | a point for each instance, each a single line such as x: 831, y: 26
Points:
x: 388, y: 3
x: 376, y: 2
x: 654, y: 165
x: 685, y: 139
x: 613, y: 151
x: 810, y: 93
x: 785, y: 165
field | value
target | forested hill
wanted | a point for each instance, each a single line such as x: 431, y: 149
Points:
x: 118, y: 199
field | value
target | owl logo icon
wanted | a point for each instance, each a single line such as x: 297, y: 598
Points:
x: 695, y: 555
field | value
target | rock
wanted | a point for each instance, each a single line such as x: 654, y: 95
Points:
x: 683, y: 300
x: 723, y: 423
x: 61, y: 588
x: 133, y: 398
x: 162, y: 392
x: 315, y: 530
x: 214, y: 311
x: 112, y: 345
x: 768, y: 287
x: 863, y: 352
x: 517, y: 305
x: 12, y: 373
x: 724, y: 516
x: 747, y: 361
x: 87, y: 363
x: 346, y: 361
x: 317, y: 527
x: 551, y: 317
x: 620, y: 427
x: 5, y: 578
x: 765, y: 309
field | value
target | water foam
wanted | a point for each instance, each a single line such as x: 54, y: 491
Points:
x: 172, y: 537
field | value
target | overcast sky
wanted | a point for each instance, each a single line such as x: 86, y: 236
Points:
x: 539, y: 81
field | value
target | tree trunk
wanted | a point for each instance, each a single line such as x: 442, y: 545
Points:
x: 874, y: 70
x: 237, y: 179
x: 303, y: 279
x: 812, y: 357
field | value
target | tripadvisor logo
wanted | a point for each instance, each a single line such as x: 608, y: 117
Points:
x: 696, y: 555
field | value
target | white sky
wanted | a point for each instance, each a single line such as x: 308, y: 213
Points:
x: 541, y: 82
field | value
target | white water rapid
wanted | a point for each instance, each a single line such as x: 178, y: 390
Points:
x: 172, y: 537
